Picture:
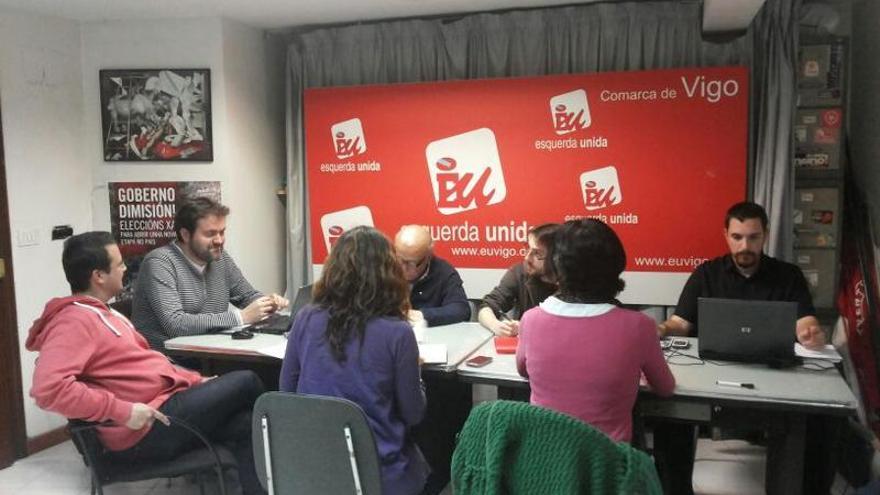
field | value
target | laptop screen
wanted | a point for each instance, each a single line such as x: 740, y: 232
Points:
x: 748, y: 331
x: 278, y: 323
x: 303, y: 297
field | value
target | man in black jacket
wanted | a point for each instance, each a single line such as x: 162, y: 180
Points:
x: 437, y: 295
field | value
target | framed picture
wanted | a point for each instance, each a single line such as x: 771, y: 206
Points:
x: 156, y: 115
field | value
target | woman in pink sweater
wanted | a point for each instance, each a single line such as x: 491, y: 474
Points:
x: 583, y: 355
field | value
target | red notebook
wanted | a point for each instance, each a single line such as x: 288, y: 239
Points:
x: 506, y: 345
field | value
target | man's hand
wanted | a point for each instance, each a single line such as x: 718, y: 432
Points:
x: 674, y: 326
x: 662, y: 330
x: 810, y: 334
x: 506, y: 328
x: 278, y: 302
x: 415, y: 316
x: 257, y: 310
x: 143, y: 415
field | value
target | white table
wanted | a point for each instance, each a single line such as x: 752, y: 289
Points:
x: 460, y: 339
x: 501, y: 371
x: 216, y: 345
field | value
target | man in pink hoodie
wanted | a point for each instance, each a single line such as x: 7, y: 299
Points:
x: 94, y: 365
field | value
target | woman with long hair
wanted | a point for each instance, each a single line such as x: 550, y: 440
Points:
x: 354, y: 342
x: 583, y: 354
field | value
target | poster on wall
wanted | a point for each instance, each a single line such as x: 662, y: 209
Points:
x: 156, y: 115
x: 142, y: 217
x: 658, y: 155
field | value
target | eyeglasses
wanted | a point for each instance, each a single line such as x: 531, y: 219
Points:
x: 413, y: 263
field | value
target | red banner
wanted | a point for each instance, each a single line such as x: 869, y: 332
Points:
x: 658, y: 155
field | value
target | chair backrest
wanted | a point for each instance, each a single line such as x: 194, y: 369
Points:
x: 309, y: 452
x: 123, y: 306
x: 475, y: 308
x: 515, y: 447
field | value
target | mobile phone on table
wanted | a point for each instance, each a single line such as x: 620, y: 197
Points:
x: 478, y: 361
x: 680, y: 344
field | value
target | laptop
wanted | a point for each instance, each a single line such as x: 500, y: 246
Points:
x: 278, y: 323
x: 747, y: 331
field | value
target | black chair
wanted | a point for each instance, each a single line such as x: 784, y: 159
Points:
x: 106, y: 471
x: 307, y: 444
x: 124, y: 306
x: 475, y: 308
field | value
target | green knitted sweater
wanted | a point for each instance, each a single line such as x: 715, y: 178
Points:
x: 510, y: 447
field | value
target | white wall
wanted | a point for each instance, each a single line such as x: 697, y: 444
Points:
x: 187, y: 43
x: 52, y: 131
x: 255, y: 123
x: 248, y: 159
x: 48, y: 182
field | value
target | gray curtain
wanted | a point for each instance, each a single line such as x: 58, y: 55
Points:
x: 774, y: 35
x: 587, y: 38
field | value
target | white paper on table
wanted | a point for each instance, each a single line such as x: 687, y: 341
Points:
x: 419, y: 328
x: 828, y: 352
x: 433, y: 353
x: 276, y: 350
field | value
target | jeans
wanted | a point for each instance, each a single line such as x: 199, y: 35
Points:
x: 219, y: 408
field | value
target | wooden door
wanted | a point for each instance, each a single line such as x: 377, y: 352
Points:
x: 12, y: 429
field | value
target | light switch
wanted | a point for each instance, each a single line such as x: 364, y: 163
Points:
x: 28, y: 237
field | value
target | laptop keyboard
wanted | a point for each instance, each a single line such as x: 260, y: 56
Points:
x: 275, y: 324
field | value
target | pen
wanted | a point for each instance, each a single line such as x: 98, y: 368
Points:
x: 725, y: 383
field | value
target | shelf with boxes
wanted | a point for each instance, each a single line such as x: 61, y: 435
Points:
x: 819, y: 161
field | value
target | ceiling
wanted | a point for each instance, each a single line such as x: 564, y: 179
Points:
x: 267, y: 14
x: 719, y: 15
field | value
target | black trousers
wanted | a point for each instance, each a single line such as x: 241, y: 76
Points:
x: 822, y: 446
x: 674, y: 447
x: 221, y: 409
x: 449, y: 403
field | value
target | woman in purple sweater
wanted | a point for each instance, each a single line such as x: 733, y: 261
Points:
x: 354, y: 342
x: 583, y: 355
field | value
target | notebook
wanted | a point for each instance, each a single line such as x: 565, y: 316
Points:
x: 433, y: 353
x: 747, y: 331
x: 278, y: 323
x: 506, y: 345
